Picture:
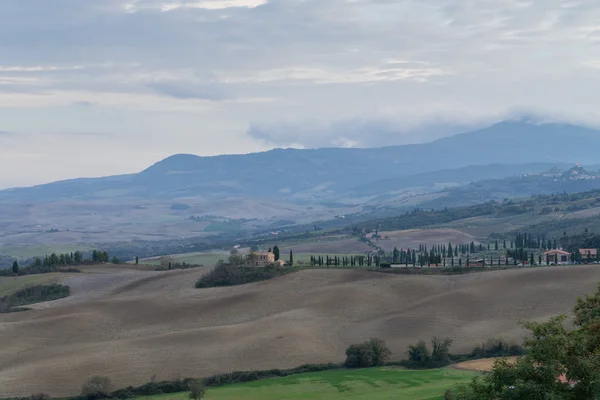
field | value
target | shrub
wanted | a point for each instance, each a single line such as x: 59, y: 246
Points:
x: 40, y: 396
x: 372, y: 353
x: 419, y: 353
x: 40, y: 293
x: 197, y: 390
x: 230, y: 275
x: 496, y: 348
x: 32, y: 295
x: 96, y: 387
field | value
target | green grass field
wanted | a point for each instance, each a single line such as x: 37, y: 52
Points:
x: 372, y: 384
x: 10, y: 285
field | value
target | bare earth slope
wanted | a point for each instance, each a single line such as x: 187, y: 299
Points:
x: 132, y: 325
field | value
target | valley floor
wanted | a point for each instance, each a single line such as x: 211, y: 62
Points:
x: 133, y: 324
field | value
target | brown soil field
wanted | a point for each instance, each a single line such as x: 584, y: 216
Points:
x: 414, y: 237
x: 131, y: 325
x: 483, y: 365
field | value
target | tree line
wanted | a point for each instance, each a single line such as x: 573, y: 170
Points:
x: 52, y: 262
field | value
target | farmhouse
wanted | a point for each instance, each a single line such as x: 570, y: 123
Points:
x: 588, y: 254
x: 263, y: 258
x: 557, y: 256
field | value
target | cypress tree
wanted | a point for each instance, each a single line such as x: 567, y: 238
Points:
x: 291, y: 258
x: 15, y: 268
x: 276, y: 252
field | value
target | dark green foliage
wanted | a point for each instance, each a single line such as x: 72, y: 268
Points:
x: 496, y: 348
x: 276, y: 252
x: 96, y: 387
x: 56, y: 263
x: 372, y: 353
x: 32, y: 295
x: 231, y: 275
x: 197, y: 390
x: 40, y: 396
x: 552, y: 352
x: 291, y: 257
x: 421, y: 356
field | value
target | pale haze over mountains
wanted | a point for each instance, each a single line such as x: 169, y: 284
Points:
x: 103, y: 88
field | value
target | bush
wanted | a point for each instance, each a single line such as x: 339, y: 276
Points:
x: 96, y: 387
x: 197, y: 390
x: 420, y: 356
x: 32, y: 295
x: 372, y: 353
x: 40, y: 396
x: 496, y: 348
x: 229, y: 275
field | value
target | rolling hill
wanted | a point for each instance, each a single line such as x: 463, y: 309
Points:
x: 132, y: 325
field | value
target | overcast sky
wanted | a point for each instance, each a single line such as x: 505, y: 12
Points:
x: 91, y: 88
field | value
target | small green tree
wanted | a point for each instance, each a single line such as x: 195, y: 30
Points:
x: 276, y: 252
x: 419, y: 353
x: 291, y: 257
x: 96, y: 387
x: 15, y: 268
x: 440, y: 350
x: 380, y: 352
x: 371, y: 353
x: 197, y: 390
x: 137, y: 260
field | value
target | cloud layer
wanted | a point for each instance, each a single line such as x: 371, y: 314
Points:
x: 217, y: 76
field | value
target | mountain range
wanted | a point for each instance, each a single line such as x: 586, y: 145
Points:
x: 190, y: 196
x: 507, y: 148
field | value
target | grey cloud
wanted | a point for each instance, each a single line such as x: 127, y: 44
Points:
x: 185, y: 90
x: 84, y: 103
x: 356, y: 132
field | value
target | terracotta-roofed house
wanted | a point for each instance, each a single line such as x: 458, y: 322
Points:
x: 588, y: 254
x: 557, y: 256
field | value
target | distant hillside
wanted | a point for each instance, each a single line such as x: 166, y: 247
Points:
x: 572, y: 180
x: 319, y: 174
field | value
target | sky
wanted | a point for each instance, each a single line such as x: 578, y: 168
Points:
x: 93, y: 88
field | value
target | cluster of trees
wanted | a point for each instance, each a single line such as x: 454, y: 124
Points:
x: 52, y: 262
x: 228, y: 274
x: 560, y: 362
x: 422, y: 356
x: 372, y: 353
x: 530, y: 241
x: 346, y: 261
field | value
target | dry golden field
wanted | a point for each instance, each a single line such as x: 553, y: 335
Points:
x: 131, y: 324
x: 483, y: 365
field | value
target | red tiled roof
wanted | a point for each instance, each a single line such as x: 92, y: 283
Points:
x: 557, y: 252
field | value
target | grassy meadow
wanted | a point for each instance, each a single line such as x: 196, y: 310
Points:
x: 372, y: 384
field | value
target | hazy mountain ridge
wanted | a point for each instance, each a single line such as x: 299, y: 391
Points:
x: 329, y: 172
